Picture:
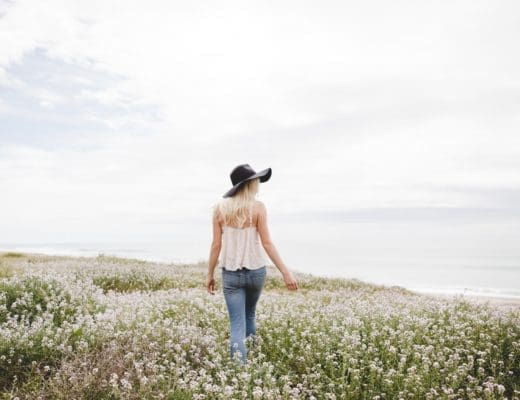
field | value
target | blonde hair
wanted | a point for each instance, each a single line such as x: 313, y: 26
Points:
x: 235, y: 210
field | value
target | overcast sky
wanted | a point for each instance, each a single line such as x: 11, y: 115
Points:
x: 123, y: 119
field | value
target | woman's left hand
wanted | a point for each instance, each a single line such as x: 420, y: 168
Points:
x: 210, y: 284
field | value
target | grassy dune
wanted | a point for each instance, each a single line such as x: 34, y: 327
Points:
x: 112, y: 328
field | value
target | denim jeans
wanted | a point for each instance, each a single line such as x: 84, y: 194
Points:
x: 242, y: 290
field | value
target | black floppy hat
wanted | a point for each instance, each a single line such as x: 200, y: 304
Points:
x: 243, y: 173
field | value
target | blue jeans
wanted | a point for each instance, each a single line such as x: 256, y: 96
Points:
x: 242, y: 290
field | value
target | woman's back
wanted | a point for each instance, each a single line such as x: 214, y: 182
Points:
x: 241, y: 246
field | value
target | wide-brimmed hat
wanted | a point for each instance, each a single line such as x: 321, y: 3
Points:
x: 243, y: 173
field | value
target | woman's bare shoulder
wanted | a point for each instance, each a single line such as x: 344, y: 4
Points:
x: 259, y: 205
x: 259, y: 208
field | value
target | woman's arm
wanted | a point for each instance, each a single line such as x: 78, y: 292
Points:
x: 270, y: 248
x: 214, y: 253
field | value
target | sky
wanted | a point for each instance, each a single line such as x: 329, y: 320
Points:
x: 121, y: 120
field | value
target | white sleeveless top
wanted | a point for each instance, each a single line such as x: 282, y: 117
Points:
x: 241, y: 247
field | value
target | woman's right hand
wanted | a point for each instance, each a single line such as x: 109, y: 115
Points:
x: 290, y: 282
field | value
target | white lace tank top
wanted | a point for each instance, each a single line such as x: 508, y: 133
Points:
x: 242, y: 247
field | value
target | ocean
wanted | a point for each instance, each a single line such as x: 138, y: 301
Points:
x: 495, y: 276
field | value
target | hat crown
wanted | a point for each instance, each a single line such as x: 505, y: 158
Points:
x: 241, y: 172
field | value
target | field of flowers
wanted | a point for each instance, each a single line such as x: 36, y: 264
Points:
x: 111, y: 328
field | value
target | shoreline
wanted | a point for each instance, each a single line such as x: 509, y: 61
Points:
x: 498, y: 300
x: 502, y: 301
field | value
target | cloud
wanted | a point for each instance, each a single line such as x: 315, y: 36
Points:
x: 121, y: 113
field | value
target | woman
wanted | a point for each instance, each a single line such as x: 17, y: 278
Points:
x: 239, y: 222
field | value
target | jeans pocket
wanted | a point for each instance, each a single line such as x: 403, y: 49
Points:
x: 230, y: 281
x: 258, y: 280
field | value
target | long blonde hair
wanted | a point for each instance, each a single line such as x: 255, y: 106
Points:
x: 235, y: 210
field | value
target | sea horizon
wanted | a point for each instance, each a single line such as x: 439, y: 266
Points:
x: 492, y: 276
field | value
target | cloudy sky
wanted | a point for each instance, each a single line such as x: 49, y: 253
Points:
x: 121, y: 120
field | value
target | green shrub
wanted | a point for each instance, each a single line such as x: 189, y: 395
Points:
x: 12, y: 254
x: 134, y: 281
x: 45, y: 314
x: 30, y: 297
x: 6, y: 271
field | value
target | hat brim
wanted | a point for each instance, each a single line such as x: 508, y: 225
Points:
x: 264, y: 176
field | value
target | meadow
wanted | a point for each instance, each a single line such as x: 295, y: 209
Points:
x: 112, y: 328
